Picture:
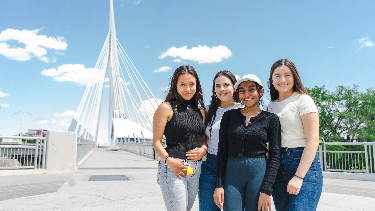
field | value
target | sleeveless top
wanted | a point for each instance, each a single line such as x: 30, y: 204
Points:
x: 184, y: 130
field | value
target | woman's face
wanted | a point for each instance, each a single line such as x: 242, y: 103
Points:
x: 282, y: 79
x: 248, y: 93
x: 224, y: 88
x: 186, y: 86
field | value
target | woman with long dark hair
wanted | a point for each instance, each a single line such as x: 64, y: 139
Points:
x: 299, y: 181
x: 181, y: 120
x: 224, y: 98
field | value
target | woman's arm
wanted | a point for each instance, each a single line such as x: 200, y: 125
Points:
x: 222, y: 157
x: 310, y: 122
x: 198, y: 153
x: 273, y: 162
x: 162, y: 115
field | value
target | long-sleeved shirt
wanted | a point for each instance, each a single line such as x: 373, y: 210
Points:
x: 236, y: 139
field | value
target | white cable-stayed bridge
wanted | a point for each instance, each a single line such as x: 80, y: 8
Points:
x: 129, y: 96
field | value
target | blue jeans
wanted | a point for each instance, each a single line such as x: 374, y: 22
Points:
x: 311, y: 189
x: 243, y: 178
x: 207, y: 185
x: 179, y: 194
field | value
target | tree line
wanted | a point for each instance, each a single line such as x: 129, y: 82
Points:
x: 346, y: 114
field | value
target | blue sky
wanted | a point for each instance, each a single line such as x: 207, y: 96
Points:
x: 331, y: 43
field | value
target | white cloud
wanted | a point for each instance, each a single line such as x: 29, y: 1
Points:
x: 4, y: 105
x: 162, y: 69
x: 200, y: 54
x: 3, y: 94
x: 67, y: 113
x: 106, y: 86
x: 76, y: 73
x: 177, y: 60
x: 44, y: 121
x: 237, y: 77
x: 165, y: 88
x: 330, y: 47
x: 35, y: 45
x: 148, y: 107
x: 365, y: 42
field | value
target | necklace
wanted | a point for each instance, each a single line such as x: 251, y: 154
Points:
x: 242, y: 111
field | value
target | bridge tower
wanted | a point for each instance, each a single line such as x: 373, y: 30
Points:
x: 131, y: 102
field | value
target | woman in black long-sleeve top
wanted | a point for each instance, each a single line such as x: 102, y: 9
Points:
x: 244, y: 173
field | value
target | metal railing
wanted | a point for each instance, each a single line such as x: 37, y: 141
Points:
x: 337, y: 157
x: 18, y: 155
x: 138, y: 146
x: 84, y: 147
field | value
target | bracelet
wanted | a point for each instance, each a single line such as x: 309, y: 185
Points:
x: 298, y: 177
x: 166, y: 157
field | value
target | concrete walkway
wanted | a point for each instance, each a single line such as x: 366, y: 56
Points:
x: 118, y: 180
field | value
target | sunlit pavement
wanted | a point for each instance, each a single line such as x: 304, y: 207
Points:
x: 119, y: 180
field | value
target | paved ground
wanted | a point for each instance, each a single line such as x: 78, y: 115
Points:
x: 118, y: 180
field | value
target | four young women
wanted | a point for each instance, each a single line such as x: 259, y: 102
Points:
x: 243, y: 143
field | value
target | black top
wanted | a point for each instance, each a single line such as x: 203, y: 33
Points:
x: 238, y: 140
x: 184, y: 130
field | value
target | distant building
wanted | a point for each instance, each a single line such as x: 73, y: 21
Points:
x: 36, y: 133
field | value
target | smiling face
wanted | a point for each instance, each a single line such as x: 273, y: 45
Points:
x: 224, y: 88
x: 248, y: 93
x: 282, y: 79
x: 186, y: 86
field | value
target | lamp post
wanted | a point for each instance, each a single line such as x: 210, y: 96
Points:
x: 42, y: 122
x: 22, y: 113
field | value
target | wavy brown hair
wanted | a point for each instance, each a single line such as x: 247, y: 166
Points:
x: 215, y: 101
x: 174, y: 98
x: 297, y: 86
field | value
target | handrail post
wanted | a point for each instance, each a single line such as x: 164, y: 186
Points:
x: 325, y: 157
x: 44, y: 153
x: 36, y: 154
x: 321, y: 153
x: 366, y: 158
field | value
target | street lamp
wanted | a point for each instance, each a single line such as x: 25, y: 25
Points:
x: 22, y: 113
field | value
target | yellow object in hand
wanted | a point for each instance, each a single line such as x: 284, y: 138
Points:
x: 189, y: 170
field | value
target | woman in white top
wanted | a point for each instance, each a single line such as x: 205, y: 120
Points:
x: 299, y: 181
x: 223, y: 99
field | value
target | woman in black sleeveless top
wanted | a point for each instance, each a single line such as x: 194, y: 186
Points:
x: 181, y: 120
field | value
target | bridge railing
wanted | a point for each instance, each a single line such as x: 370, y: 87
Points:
x: 84, y: 147
x: 348, y: 156
x: 18, y: 155
x: 138, y: 146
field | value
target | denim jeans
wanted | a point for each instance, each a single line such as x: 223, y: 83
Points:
x: 243, y: 178
x: 179, y: 194
x: 309, y: 195
x: 207, y: 185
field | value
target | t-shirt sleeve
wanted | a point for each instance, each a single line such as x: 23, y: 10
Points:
x: 307, y: 105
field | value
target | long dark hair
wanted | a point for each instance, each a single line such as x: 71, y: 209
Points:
x: 297, y: 87
x: 215, y: 101
x: 174, y: 98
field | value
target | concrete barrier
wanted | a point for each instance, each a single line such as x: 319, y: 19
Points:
x: 61, y: 151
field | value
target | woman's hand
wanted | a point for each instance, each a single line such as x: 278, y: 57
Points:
x: 177, y: 166
x: 264, y: 203
x: 294, y: 186
x: 196, y: 154
x: 219, y: 197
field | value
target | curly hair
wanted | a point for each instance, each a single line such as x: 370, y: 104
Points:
x: 174, y: 98
x: 215, y: 101
x: 297, y: 87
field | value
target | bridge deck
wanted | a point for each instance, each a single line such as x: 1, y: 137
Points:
x: 96, y: 185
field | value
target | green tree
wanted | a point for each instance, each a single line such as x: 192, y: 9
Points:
x: 345, y: 114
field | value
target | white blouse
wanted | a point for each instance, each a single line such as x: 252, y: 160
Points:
x: 213, y: 138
